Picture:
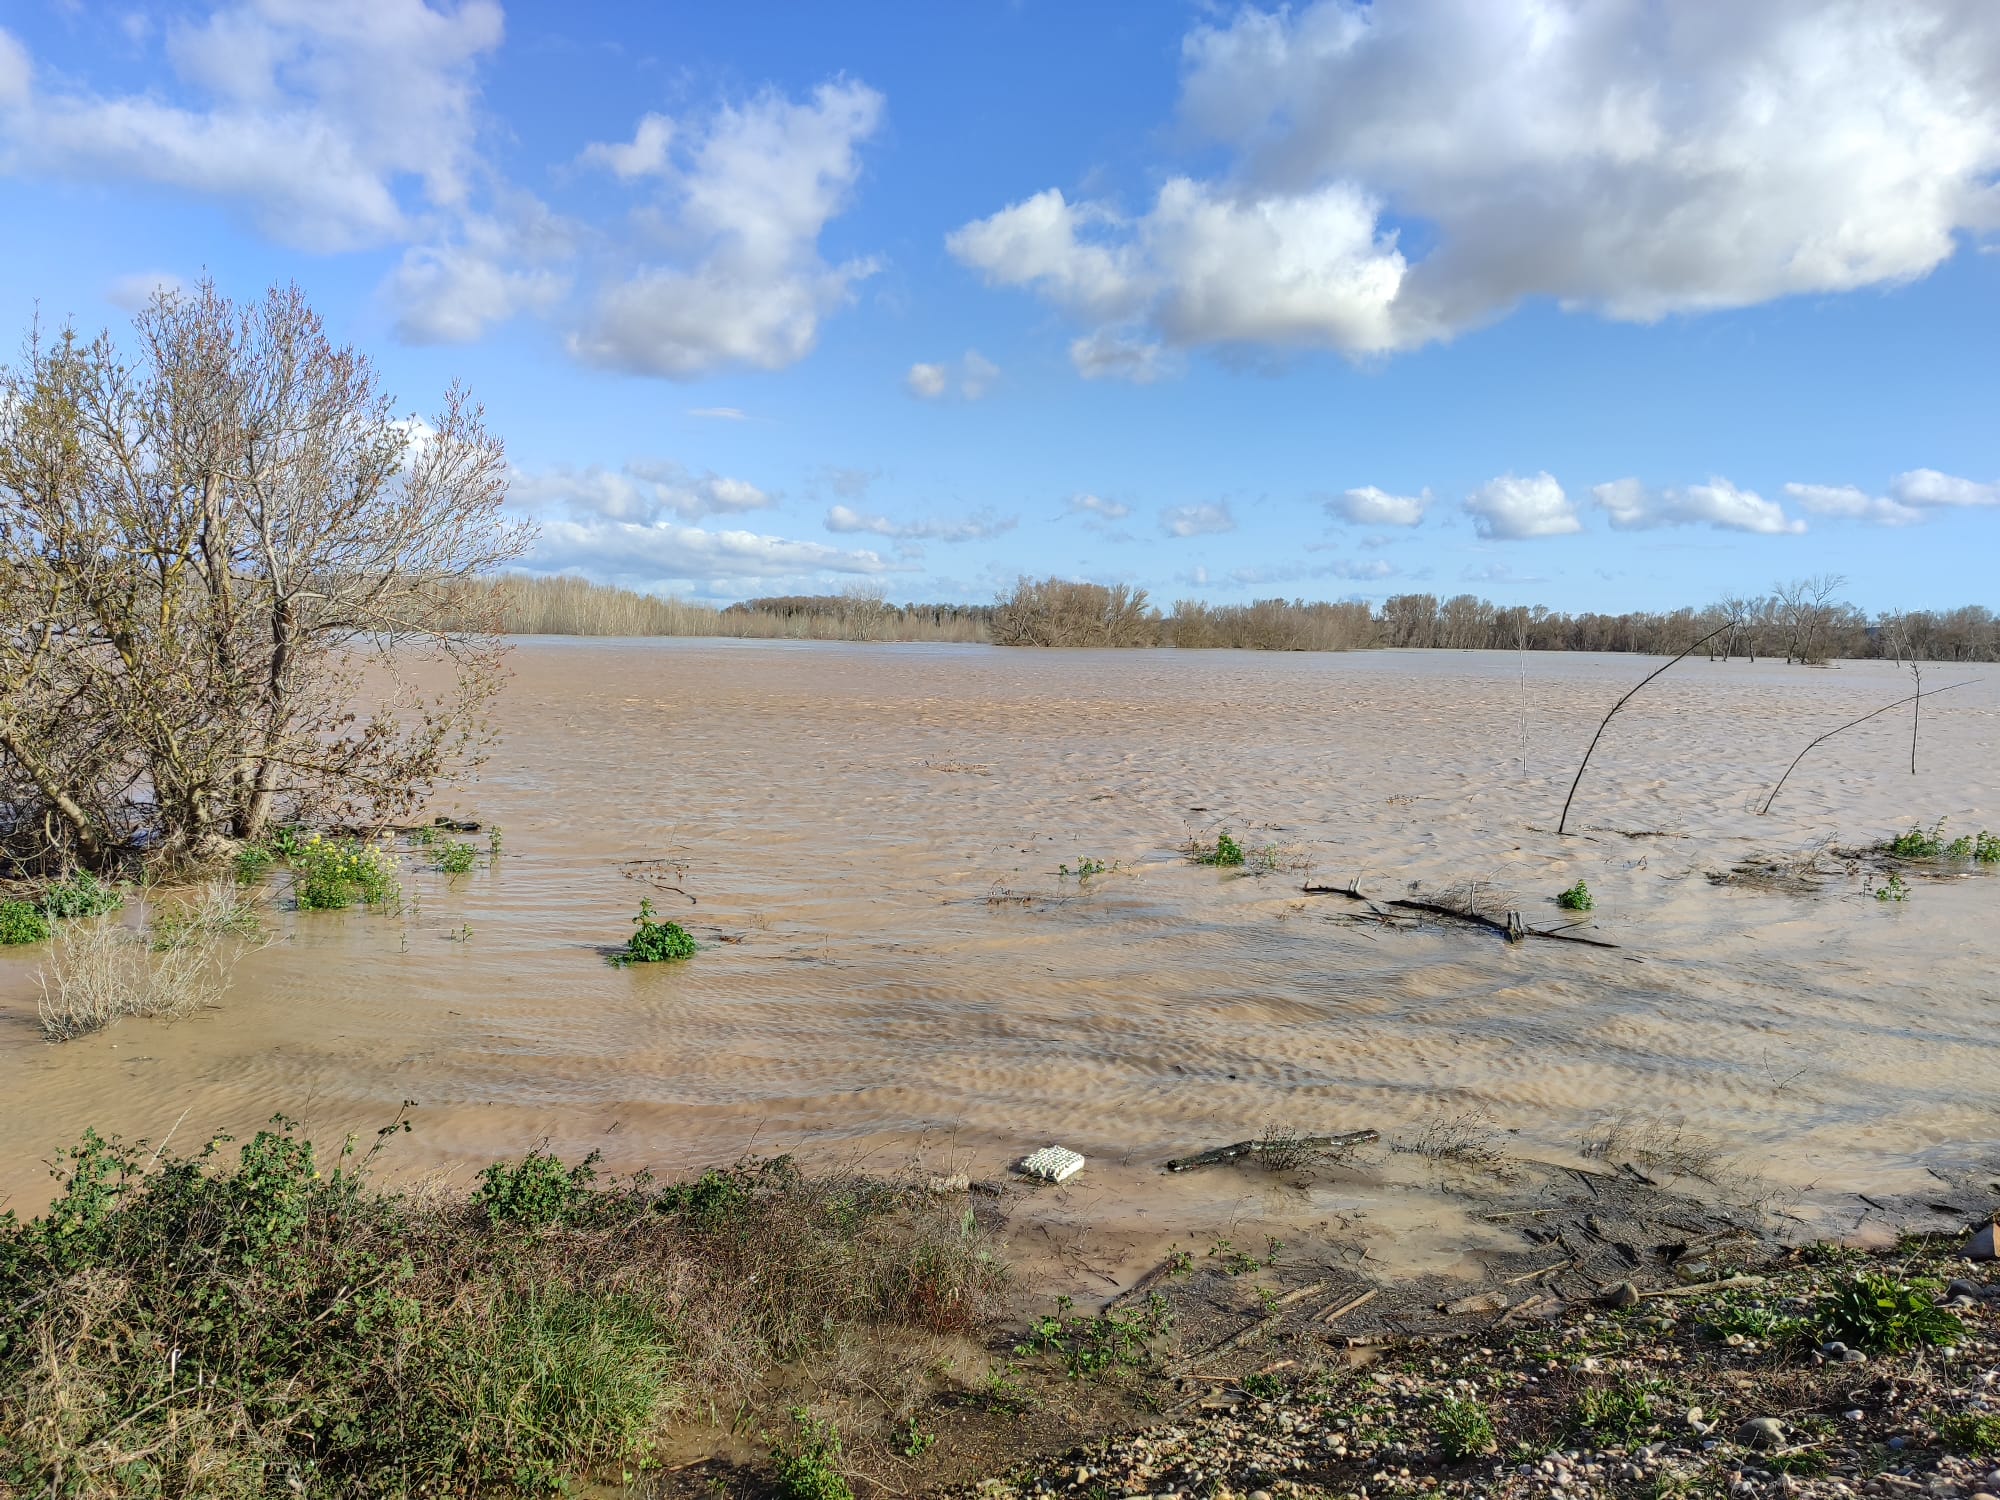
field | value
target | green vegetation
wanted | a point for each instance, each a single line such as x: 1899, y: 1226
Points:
x: 1930, y: 843
x: 1576, y: 898
x: 1092, y: 1348
x: 1884, y: 1314
x: 79, y: 895
x: 1975, y: 1434
x: 810, y: 1470
x: 654, y: 941
x: 1624, y: 1412
x: 1892, y: 889
x: 258, y: 1322
x: 453, y: 857
x: 330, y: 874
x: 21, y: 922
x: 1084, y: 868
x: 1264, y: 1387
x: 1225, y: 852
x: 253, y: 862
x: 1463, y: 1429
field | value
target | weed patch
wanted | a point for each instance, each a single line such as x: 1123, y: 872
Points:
x: 1975, y: 1434
x: 1463, y: 1429
x: 1884, y: 1314
x: 21, y: 923
x: 79, y: 895
x: 654, y: 941
x: 1094, y: 1348
x: 1576, y: 898
x: 1224, y: 852
x: 1625, y: 1412
x: 332, y: 874
x: 809, y: 1469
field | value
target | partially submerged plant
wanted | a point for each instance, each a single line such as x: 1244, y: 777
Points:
x: 1892, y: 889
x: 79, y: 895
x: 330, y: 874
x: 454, y: 857
x: 21, y: 922
x: 1576, y: 898
x: 654, y: 941
x: 1225, y: 852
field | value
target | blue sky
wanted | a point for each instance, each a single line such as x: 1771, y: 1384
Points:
x: 1594, y: 303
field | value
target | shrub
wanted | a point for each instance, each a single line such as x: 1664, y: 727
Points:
x: 1883, y: 1314
x: 21, y: 923
x: 1576, y: 898
x: 811, y: 1470
x: 1463, y: 1430
x: 253, y: 862
x: 100, y: 971
x: 654, y: 941
x: 1919, y: 842
x: 79, y: 895
x: 1986, y: 848
x: 331, y: 874
x: 536, y: 1191
x: 455, y: 858
x: 1224, y: 852
x: 1892, y: 889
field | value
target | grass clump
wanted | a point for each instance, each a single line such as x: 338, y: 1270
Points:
x: 654, y: 941
x: 1576, y: 898
x: 1463, y: 1429
x: 100, y: 971
x: 1886, y: 1315
x: 810, y: 1468
x: 1224, y: 852
x: 332, y: 874
x: 21, y: 922
x: 1975, y: 1434
x: 1624, y: 1412
x: 266, y: 1321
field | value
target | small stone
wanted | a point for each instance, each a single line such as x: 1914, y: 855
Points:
x: 1761, y: 1432
x: 1853, y: 1357
x: 1960, y: 1287
x: 1980, y: 1246
x: 1624, y: 1294
x: 1260, y: 1495
x: 1899, y: 1443
x: 1856, y: 1415
x: 1694, y: 1416
x: 1689, y: 1271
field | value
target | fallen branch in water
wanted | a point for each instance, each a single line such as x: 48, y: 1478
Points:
x: 1513, y: 929
x: 1253, y: 1148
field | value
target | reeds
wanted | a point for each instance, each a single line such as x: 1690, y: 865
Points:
x: 99, y: 970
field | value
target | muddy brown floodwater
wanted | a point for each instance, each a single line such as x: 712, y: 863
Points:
x: 869, y: 838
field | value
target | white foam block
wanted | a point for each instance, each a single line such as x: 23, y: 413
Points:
x: 1052, y: 1164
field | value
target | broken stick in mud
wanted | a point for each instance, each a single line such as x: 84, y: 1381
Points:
x: 1513, y: 929
x: 1222, y: 1154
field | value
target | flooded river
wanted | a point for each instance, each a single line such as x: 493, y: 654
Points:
x: 867, y: 841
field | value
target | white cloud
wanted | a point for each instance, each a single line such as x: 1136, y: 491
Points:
x: 450, y: 295
x: 1120, y: 354
x: 1927, y: 487
x: 135, y: 290
x: 1369, y: 506
x: 1633, y: 507
x: 1096, y: 505
x: 927, y: 382
x: 313, y: 120
x: 974, y: 375
x: 643, y: 491
x: 1629, y: 159
x: 1848, y: 503
x: 1511, y: 508
x: 844, y: 518
x: 1196, y: 520
x: 743, y: 202
x: 645, y: 155
x: 720, y: 413
x: 665, y: 552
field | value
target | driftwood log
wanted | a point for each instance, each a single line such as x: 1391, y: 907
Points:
x: 1513, y: 929
x: 1289, y: 1144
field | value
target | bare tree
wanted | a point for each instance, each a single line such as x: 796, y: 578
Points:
x: 213, y: 554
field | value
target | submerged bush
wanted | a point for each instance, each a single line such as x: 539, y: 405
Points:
x: 265, y: 1321
x: 1576, y: 898
x: 100, y: 971
x: 1225, y: 851
x: 20, y: 922
x: 654, y: 941
x: 79, y: 895
x: 330, y: 874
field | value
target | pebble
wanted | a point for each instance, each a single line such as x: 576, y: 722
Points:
x: 1624, y: 1294
x: 1761, y: 1432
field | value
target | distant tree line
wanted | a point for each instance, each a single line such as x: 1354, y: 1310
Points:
x: 1803, y: 620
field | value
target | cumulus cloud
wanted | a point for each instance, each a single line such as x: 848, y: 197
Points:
x: 1848, y: 503
x: 1369, y: 506
x: 1927, y: 487
x: 665, y: 552
x: 973, y: 375
x: 969, y: 529
x: 1196, y: 520
x: 643, y: 491
x: 746, y: 195
x: 310, y: 120
x: 1120, y: 354
x: 1626, y: 159
x: 1511, y: 508
x: 1099, y: 507
x: 1633, y: 507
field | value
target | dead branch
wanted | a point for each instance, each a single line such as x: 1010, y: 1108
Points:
x: 1222, y: 1154
x: 1850, y: 724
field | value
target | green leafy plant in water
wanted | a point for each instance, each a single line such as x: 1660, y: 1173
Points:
x: 21, y: 923
x: 810, y: 1469
x: 1986, y: 848
x: 1225, y: 852
x: 1576, y: 898
x: 1463, y: 1430
x: 289, y: 839
x: 253, y: 862
x: 453, y: 857
x: 1084, y: 868
x: 1919, y: 842
x: 1885, y: 1315
x: 79, y: 895
x: 654, y: 941
x: 1892, y: 889
x: 332, y: 874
